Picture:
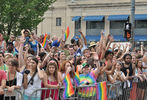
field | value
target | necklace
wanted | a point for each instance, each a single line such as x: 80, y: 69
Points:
x: 10, y: 84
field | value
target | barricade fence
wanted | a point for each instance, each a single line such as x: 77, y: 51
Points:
x: 128, y: 90
x: 15, y: 95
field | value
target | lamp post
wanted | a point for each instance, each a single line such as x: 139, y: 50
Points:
x: 132, y: 22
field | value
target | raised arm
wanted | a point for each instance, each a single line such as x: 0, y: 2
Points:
x: 108, y: 65
x: 40, y: 72
x: 85, y: 41
x: 142, y: 50
x: 20, y: 54
x: 45, y: 59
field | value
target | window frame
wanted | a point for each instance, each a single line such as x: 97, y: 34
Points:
x: 58, y: 21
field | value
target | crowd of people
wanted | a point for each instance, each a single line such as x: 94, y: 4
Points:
x: 26, y: 65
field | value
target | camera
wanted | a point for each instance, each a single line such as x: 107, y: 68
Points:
x: 27, y: 72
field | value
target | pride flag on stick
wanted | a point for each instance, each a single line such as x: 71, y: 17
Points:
x: 77, y: 77
x: 44, y: 41
x: 66, y: 34
x: 68, y: 91
x: 101, y: 91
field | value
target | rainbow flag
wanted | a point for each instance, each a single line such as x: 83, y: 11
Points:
x: 77, y: 77
x: 66, y: 34
x: 68, y: 91
x: 87, y: 91
x: 101, y: 91
x: 44, y: 44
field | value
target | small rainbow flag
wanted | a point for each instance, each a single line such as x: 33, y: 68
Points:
x: 66, y: 34
x: 68, y: 91
x: 101, y: 91
x: 77, y: 77
x: 44, y: 44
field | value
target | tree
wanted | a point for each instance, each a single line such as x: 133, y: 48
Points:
x: 16, y: 15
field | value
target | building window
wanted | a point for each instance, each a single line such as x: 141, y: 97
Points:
x: 94, y: 27
x: 140, y: 27
x: 58, y: 21
x: 77, y: 26
x: 117, y: 27
x: 141, y: 24
x: 117, y: 24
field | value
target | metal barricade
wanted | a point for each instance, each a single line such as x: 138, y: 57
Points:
x: 81, y: 93
x: 46, y: 94
x: 51, y: 94
x: 15, y: 95
x: 86, y: 92
x: 114, y: 91
x: 139, y: 90
x: 136, y: 90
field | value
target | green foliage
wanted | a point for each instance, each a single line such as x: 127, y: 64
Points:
x: 16, y: 15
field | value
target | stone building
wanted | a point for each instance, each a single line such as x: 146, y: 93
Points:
x: 91, y: 16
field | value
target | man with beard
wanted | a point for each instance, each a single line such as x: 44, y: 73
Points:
x: 128, y: 65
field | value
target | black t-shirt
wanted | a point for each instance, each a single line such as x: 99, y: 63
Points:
x: 124, y: 69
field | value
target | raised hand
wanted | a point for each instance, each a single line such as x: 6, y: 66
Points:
x: 22, y: 33
x: 69, y: 69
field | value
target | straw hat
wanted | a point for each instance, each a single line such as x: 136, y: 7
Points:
x: 92, y: 44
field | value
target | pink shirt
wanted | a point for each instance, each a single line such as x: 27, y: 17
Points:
x: 2, y: 76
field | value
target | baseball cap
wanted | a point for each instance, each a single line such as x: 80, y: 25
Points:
x: 85, y: 65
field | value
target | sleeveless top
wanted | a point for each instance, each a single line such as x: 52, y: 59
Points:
x: 11, y: 82
x: 52, y: 93
x: 124, y: 69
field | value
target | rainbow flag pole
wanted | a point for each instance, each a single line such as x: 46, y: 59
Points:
x: 68, y: 91
x: 44, y: 41
x: 101, y: 91
x: 77, y: 77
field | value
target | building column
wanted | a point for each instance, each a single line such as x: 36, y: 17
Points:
x: 107, y: 26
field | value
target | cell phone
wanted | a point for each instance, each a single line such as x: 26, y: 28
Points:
x: 101, y: 63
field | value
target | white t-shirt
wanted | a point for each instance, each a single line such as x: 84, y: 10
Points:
x: 19, y: 78
x: 144, y: 64
x: 31, y: 88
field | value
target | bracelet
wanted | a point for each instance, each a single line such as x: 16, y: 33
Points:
x: 22, y: 45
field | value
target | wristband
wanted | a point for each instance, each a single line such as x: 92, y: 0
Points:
x: 22, y: 45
